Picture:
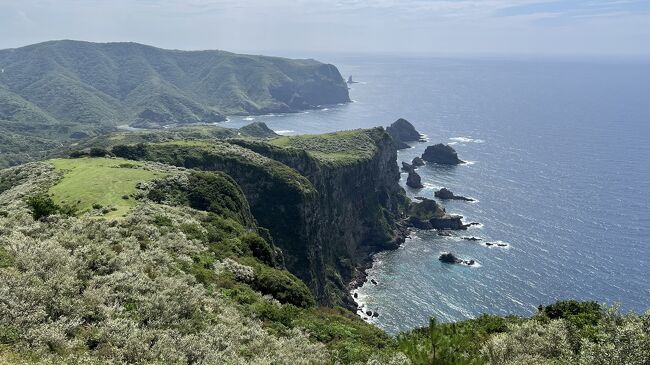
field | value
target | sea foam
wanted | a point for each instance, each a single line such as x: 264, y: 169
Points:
x: 466, y: 140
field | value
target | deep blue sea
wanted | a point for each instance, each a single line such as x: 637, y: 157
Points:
x: 559, y: 155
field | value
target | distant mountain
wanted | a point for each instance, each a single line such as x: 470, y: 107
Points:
x: 71, y: 89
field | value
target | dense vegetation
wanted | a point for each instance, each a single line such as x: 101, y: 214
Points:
x: 291, y: 191
x: 68, y: 90
x: 105, y: 260
x: 338, y: 148
x: 184, y: 276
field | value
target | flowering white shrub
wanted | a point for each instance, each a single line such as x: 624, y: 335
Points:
x: 82, y: 290
x: 242, y: 272
x: 531, y: 342
x: 621, y: 340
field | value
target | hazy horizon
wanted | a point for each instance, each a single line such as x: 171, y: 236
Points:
x: 303, y: 28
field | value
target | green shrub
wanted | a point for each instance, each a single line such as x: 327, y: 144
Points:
x: 42, y: 206
x: 98, y: 152
x: 8, y: 334
x: 283, y: 286
x: 135, y: 152
x: 259, y: 248
x: 78, y: 154
x: 6, y: 260
x: 5, y: 184
x: 354, y: 340
x: 580, y: 314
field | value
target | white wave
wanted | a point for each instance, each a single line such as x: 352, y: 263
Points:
x: 325, y: 109
x: 469, y: 163
x: 476, y: 226
x: 453, y: 143
x: 428, y: 185
x: 249, y: 118
x: 285, y: 132
x: 497, y: 244
x: 466, y: 140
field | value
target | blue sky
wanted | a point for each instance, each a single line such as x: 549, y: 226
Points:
x: 537, y: 27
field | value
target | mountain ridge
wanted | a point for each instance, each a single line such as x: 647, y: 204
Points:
x: 76, y: 89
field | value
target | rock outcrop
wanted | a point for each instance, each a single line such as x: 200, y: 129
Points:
x: 427, y: 214
x: 447, y: 194
x: 407, y: 167
x: 417, y: 162
x: 414, y: 181
x: 450, y: 258
x: 441, y: 154
x: 402, y: 131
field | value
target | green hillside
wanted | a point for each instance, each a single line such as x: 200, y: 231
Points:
x: 185, y: 254
x: 67, y: 90
x: 100, y: 183
x: 185, y: 276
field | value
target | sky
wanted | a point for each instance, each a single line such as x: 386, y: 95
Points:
x: 301, y: 27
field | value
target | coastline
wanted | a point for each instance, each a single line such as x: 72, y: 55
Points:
x: 360, y: 276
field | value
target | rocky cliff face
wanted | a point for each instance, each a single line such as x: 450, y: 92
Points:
x: 355, y: 214
x: 327, y: 217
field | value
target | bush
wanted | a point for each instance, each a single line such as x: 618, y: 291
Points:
x: 260, y: 248
x: 98, y: 152
x: 283, y: 286
x: 6, y: 260
x: 77, y: 154
x: 42, y: 206
x: 136, y: 152
x: 580, y: 314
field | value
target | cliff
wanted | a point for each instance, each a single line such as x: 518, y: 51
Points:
x: 328, y: 201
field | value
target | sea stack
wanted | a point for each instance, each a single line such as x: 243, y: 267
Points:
x: 447, y: 194
x: 449, y: 258
x: 417, y: 162
x: 441, y: 154
x: 406, y: 167
x: 402, y: 131
x: 427, y: 214
x: 414, y: 181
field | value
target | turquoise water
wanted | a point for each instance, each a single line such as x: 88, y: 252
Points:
x: 559, y: 153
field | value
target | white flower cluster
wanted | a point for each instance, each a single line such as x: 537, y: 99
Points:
x: 242, y: 273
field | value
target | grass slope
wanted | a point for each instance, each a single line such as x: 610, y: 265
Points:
x: 338, y: 148
x: 101, y: 182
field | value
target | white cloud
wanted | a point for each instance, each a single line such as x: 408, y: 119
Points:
x: 536, y: 26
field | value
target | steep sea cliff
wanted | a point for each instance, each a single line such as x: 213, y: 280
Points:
x: 328, y: 201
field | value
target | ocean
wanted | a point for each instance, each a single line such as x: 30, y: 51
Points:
x: 559, y: 162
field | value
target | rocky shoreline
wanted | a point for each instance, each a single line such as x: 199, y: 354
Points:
x: 360, y: 275
x: 421, y: 214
